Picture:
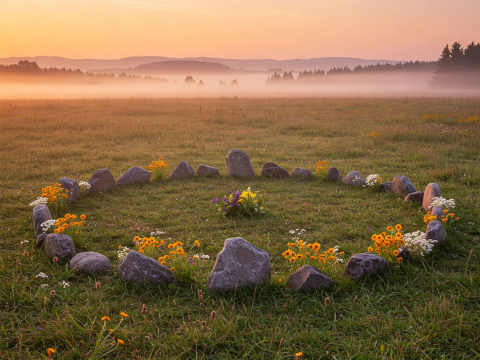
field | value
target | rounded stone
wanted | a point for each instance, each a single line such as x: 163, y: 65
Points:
x: 134, y: 175
x: 90, y: 262
x: 60, y: 246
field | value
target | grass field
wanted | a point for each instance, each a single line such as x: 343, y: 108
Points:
x: 426, y: 309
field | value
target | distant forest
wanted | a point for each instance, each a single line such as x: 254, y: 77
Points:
x: 456, y: 68
x: 31, y: 70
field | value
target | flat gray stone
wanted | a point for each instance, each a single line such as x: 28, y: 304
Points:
x: 206, y: 171
x: 40, y: 214
x: 60, y: 246
x: 73, y: 188
x: 102, y: 180
x: 334, y: 174
x: 138, y: 268
x: 354, y: 179
x: 273, y: 170
x: 365, y: 264
x: 436, y: 231
x: 301, y: 173
x: 385, y: 187
x: 416, y: 196
x: 134, y: 175
x: 182, y: 171
x: 239, y: 264
x: 402, y: 186
x: 40, y: 240
x: 238, y: 164
x: 309, y: 278
x: 431, y: 191
x: 90, y: 263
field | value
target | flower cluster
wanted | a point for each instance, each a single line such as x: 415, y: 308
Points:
x: 418, y: 244
x: 387, y: 245
x: 40, y: 200
x: 245, y: 204
x: 322, y: 166
x: 443, y: 203
x: 375, y: 134
x: 84, y: 186
x: 429, y: 217
x: 55, y: 196
x: 432, y: 117
x: 46, y: 225
x: 147, y: 245
x: 470, y: 119
x: 372, y: 180
x: 68, y: 224
x: 159, y: 169
x: 122, y: 252
x: 447, y: 218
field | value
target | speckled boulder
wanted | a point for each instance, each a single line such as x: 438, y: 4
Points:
x: 102, y: 180
x: 365, y: 264
x: 416, y: 196
x: 138, y: 268
x: 301, y: 173
x: 90, y: 262
x: 238, y: 164
x: 354, y: 179
x: 334, y: 174
x: 436, y: 231
x: 431, y: 191
x: 134, y: 175
x: 206, y: 171
x: 182, y: 171
x: 40, y: 214
x: 309, y: 278
x: 402, y: 186
x: 73, y: 188
x: 239, y: 264
x: 273, y: 170
x: 60, y: 246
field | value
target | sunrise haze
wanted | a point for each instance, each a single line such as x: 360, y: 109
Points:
x: 370, y: 29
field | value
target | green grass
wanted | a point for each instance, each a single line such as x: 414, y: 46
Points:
x: 426, y: 309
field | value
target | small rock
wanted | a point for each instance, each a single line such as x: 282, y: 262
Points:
x: 404, y: 253
x: 301, y: 173
x: 308, y: 277
x: 40, y: 240
x: 102, y: 180
x: 138, y: 268
x: 182, y: 171
x: 73, y: 188
x: 402, y: 186
x: 431, y: 191
x: 438, y: 212
x: 205, y: 170
x: 238, y: 164
x: 40, y: 214
x: 134, y: 175
x: 334, y: 174
x: 60, y: 246
x: 239, y: 264
x: 90, y: 263
x: 273, y: 170
x: 416, y: 196
x: 365, y: 264
x: 387, y: 186
x: 436, y: 231
x: 354, y: 178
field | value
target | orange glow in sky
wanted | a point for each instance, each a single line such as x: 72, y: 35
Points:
x: 276, y: 29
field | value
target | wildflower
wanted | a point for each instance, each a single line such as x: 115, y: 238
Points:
x: 83, y: 217
x: 172, y: 268
x: 52, y: 293
x: 196, y: 243
x: 120, y: 341
x: 389, y: 228
x: 298, y: 355
x: 292, y: 259
x: 396, y: 252
x: 50, y: 352
x: 212, y: 315
x: 370, y: 249
x: 64, y: 284
x: 111, y: 330
x: 105, y: 318
x: 445, y: 211
x: 124, y: 315
x: 144, y: 309
x: 55, y: 259
x: 280, y: 280
x: 42, y: 275
x: 398, y: 227
x: 327, y: 301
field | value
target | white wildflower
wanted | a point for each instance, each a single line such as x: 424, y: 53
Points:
x: 46, y: 225
x: 372, y: 179
x: 442, y: 202
x: 43, y: 286
x: 85, y: 184
x: 123, y: 252
x: 40, y: 200
x: 157, y: 233
x: 202, y: 257
x: 42, y: 275
x: 417, y: 244
x: 24, y: 242
x: 64, y: 284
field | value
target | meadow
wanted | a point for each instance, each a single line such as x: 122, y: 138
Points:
x: 428, y: 308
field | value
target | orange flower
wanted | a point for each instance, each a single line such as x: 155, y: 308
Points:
x: 120, y: 341
x: 50, y: 352
x: 124, y: 315
x: 105, y: 318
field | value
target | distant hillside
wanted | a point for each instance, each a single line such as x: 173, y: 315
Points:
x: 245, y: 64
x: 179, y: 67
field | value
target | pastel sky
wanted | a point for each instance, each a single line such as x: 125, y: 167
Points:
x: 276, y: 29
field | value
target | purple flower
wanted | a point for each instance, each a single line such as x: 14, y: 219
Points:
x: 175, y: 282
x: 224, y: 209
x: 216, y: 200
x: 190, y: 261
x: 368, y: 228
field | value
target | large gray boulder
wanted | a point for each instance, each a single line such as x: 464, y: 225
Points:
x: 73, y: 188
x: 436, y: 231
x: 238, y: 164
x: 206, y: 171
x: 431, y: 191
x: 134, y: 175
x: 40, y: 214
x: 365, y: 264
x: 102, y: 180
x: 273, y: 170
x: 60, y: 246
x: 301, y: 173
x: 354, y: 179
x: 402, y: 186
x: 309, y: 278
x: 90, y: 263
x: 416, y: 196
x: 239, y: 264
x: 138, y: 268
x: 334, y: 174
x: 182, y: 171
